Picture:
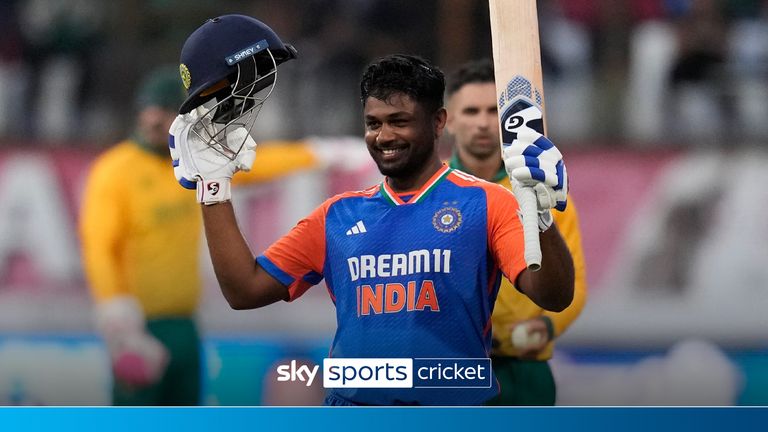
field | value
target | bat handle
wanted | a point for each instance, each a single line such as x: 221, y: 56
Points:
x: 529, y: 208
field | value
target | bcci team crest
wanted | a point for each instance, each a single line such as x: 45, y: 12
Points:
x: 186, y: 77
x: 447, y: 219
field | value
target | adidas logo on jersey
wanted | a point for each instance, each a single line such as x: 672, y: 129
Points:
x: 358, y: 228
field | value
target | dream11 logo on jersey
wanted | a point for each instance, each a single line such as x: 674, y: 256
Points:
x: 378, y: 298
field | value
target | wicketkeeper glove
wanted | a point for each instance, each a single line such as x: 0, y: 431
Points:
x: 138, y: 359
x: 199, y: 166
x: 531, y: 160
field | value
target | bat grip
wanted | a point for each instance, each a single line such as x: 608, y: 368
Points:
x: 529, y: 208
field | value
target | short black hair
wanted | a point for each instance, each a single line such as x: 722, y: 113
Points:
x: 408, y: 74
x: 477, y: 71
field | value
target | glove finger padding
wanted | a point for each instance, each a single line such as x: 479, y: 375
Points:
x: 525, y: 168
x: 240, y: 138
x: 561, y: 189
x: 245, y: 160
x: 538, y: 164
x: 544, y: 202
x: 178, y: 147
x: 545, y: 196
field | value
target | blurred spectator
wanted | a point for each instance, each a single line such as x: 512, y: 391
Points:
x: 748, y: 65
x: 644, y: 70
x: 331, y: 58
x: 11, y: 69
x: 61, y: 37
x: 698, y: 75
x: 698, y: 70
x: 566, y: 51
x: 611, y: 39
x: 652, y: 53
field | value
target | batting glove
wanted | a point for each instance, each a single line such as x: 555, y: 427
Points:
x: 531, y: 160
x: 138, y: 359
x: 199, y: 166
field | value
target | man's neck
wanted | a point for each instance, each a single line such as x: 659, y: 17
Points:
x: 417, y: 180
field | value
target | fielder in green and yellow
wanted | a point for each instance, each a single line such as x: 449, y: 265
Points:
x: 140, y: 235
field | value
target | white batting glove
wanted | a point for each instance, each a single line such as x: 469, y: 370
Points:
x: 138, y: 359
x: 198, y: 166
x: 531, y: 160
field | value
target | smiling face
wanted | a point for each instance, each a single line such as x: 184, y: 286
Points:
x: 473, y: 121
x: 401, y: 136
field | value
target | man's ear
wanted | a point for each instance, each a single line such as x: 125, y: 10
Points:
x: 440, y: 119
x: 449, y: 123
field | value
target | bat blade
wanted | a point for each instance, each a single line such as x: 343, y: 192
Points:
x: 519, y: 86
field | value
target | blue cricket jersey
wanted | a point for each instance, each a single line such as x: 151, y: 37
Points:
x: 415, y: 279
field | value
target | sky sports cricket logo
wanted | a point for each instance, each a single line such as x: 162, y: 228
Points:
x: 392, y: 373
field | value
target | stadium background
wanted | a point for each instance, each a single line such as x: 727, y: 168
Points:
x: 660, y: 107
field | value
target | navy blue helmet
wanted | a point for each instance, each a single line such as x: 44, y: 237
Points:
x: 213, y: 52
x: 229, y: 68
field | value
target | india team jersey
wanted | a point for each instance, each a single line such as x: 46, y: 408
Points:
x: 411, y: 275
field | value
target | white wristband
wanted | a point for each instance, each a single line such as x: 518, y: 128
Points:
x: 213, y: 191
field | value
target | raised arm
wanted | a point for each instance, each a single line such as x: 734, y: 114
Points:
x: 198, y: 166
x: 552, y: 286
x: 533, y: 162
x: 244, y: 283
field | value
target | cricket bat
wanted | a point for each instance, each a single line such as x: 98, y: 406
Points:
x: 517, y: 65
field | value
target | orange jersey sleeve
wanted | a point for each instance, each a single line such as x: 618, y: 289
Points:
x: 297, y: 258
x: 505, y: 232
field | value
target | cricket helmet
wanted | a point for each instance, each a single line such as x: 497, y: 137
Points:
x: 229, y: 68
x: 213, y: 52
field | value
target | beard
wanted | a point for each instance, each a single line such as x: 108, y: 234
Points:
x: 408, y: 164
x: 483, y: 150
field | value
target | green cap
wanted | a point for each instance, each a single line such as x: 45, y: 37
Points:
x: 161, y: 87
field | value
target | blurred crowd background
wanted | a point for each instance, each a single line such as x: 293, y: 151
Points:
x: 660, y: 107
x: 618, y: 73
